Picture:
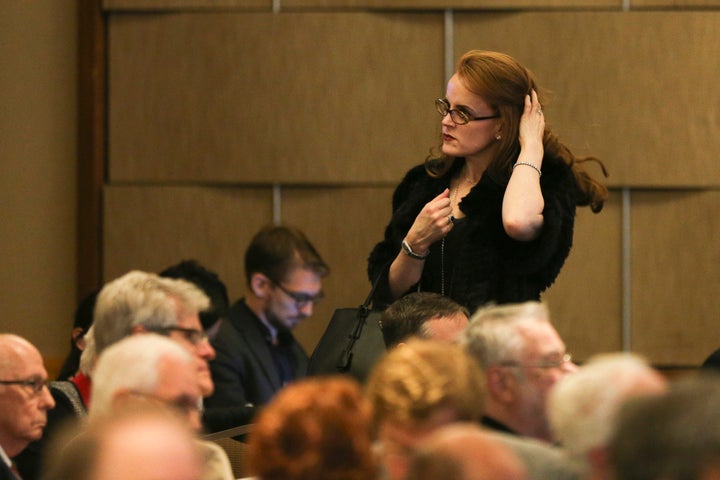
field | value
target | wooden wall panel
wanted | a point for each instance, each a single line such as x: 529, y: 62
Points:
x: 634, y: 88
x: 674, y: 3
x: 154, y: 5
x: 343, y: 224
x: 352, y: 4
x: 586, y: 300
x: 675, y: 275
x: 290, y: 98
x: 150, y: 228
x: 458, y: 4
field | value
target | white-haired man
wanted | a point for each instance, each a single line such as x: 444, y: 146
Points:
x: 583, y: 407
x: 523, y: 357
x: 157, y: 369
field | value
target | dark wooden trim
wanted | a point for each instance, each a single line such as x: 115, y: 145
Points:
x: 91, y: 144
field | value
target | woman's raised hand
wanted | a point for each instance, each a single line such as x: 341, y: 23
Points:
x: 432, y: 223
x: 532, y: 123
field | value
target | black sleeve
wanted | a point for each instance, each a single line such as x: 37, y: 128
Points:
x: 409, y: 198
x: 542, y: 258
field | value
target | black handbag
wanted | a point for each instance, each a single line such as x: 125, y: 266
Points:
x: 352, y: 342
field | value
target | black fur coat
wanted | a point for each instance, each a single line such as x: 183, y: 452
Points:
x: 489, y: 266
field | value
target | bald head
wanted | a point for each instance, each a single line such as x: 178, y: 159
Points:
x: 464, y: 452
x: 15, y: 351
x: 24, y: 400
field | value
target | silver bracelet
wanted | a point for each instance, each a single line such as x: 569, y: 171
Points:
x: 529, y: 165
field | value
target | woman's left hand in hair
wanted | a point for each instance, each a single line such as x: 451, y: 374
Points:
x: 532, y: 125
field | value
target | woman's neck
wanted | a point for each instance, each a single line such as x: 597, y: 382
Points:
x: 473, y: 170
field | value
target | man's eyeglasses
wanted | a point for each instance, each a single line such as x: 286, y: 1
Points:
x: 460, y: 117
x: 192, y: 335
x: 301, y: 299
x: 35, y: 384
x: 546, y: 364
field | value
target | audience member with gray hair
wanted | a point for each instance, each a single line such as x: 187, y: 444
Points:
x: 140, y: 302
x: 522, y: 356
x: 137, y: 303
x: 673, y: 436
x: 583, y: 407
x: 150, y: 366
x: 156, y: 369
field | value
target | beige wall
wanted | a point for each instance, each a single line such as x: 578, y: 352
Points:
x: 37, y: 171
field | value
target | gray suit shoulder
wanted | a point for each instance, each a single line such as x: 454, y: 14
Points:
x: 543, y: 461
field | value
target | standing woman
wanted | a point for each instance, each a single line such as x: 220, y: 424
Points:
x: 491, y: 218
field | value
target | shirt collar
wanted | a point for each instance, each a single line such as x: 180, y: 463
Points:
x: 5, y: 457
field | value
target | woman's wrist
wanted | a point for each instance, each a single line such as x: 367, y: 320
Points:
x: 532, y: 150
x: 414, y: 250
x: 527, y: 164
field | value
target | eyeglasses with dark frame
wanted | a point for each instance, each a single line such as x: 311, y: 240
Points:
x: 545, y: 364
x: 192, y: 335
x: 460, y: 117
x: 35, y: 384
x: 300, y: 299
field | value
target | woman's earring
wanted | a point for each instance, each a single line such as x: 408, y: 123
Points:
x: 498, y: 137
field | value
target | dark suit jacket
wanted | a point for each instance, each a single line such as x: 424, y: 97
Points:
x: 6, y: 473
x: 244, y: 371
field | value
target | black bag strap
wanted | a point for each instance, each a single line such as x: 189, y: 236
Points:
x: 346, y: 357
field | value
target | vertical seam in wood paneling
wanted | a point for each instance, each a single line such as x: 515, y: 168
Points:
x: 626, y: 277
x: 449, y: 44
x: 277, y: 204
x: 626, y: 247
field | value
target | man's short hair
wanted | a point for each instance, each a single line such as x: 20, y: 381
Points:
x: 406, y: 316
x: 492, y: 335
x: 277, y: 249
x: 142, y: 299
x: 415, y: 380
x: 209, y: 282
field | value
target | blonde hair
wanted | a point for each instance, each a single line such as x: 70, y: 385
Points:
x: 416, y: 379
